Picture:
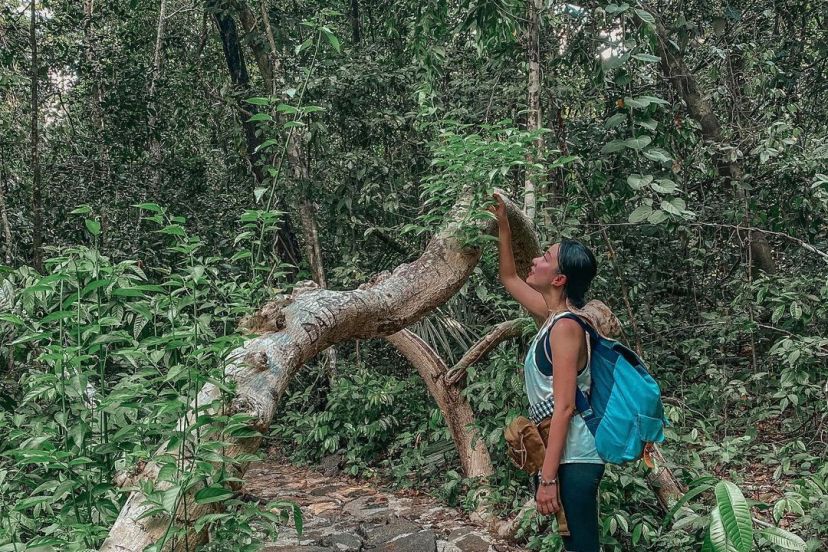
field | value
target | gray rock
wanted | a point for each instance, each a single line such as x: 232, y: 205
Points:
x: 472, y: 543
x: 368, y: 508
x: 423, y: 541
x: 325, y: 490
x: 344, y: 542
x: 380, y: 533
x: 459, y: 533
x: 295, y: 548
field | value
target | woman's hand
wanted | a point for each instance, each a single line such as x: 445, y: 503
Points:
x: 547, y: 500
x: 499, y: 209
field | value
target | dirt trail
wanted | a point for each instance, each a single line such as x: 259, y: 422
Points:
x: 348, y: 515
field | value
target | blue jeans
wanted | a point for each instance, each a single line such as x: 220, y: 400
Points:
x: 579, y: 498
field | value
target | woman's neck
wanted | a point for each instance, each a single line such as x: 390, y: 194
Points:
x: 555, y: 302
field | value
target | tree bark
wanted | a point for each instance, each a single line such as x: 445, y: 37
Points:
x: 676, y: 71
x: 442, y: 385
x: 9, y: 250
x: 356, y: 31
x: 155, y: 142
x: 533, y: 120
x: 37, y: 200
x: 287, y: 244
x: 500, y: 333
x: 456, y: 410
x: 297, y: 328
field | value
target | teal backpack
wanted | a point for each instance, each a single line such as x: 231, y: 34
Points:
x: 624, y: 410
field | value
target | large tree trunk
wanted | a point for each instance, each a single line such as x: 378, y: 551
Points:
x: 37, y: 200
x: 683, y: 81
x: 297, y: 328
x: 533, y: 121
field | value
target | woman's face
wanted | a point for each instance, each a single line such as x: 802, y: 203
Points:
x: 544, y: 272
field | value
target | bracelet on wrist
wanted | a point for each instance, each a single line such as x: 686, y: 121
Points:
x: 547, y: 482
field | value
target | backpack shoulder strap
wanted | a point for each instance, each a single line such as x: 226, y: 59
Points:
x: 581, y: 400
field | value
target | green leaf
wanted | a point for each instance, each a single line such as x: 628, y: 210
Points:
x: 783, y: 539
x: 297, y: 519
x: 260, y: 117
x: 286, y: 108
x: 57, y: 315
x: 649, y: 124
x: 616, y: 8
x: 687, y: 497
x: 169, y: 498
x: 173, y: 230
x: 258, y: 193
x: 638, y: 143
x: 653, y: 100
x: 670, y: 208
x: 640, y: 102
x: 796, y: 311
x: 657, y: 217
x: 638, y: 181
x: 645, y: 16
x: 640, y: 214
x: 649, y: 58
x: 657, y: 154
x: 93, y: 226
x: 735, y: 518
x: 212, y: 494
x: 258, y: 101
x: 664, y: 186
x: 149, y: 207
x: 332, y: 39
x: 615, y: 120
x: 81, y: 210
x: 612, y: 147
x: 269, y: 143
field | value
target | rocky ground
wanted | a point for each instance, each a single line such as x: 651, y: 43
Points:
x: 348, y: 515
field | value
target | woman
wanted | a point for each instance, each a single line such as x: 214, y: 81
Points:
x: 557, y: 361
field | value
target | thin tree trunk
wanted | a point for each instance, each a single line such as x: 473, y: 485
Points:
x: 37, y: 200
x: 256, y: 40
x: 356, y: 31
x: 155, y: 142
x: 9, y: 253
x: 296, y: 328
x: 456, y: 410
x: 701, y: 110
x: 287, y: 244
x: 533, y: 120
x: 89, y: 53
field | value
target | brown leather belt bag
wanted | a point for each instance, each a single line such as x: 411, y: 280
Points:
x: 527, y: 450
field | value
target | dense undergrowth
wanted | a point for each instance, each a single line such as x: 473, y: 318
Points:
x: 102, y: 358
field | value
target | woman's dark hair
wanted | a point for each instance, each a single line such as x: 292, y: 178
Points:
x: 577, y: 263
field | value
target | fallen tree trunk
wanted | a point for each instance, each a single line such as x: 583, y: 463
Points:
x: 295, y: 329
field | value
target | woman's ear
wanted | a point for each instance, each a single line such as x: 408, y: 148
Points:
x: 559, y: 280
